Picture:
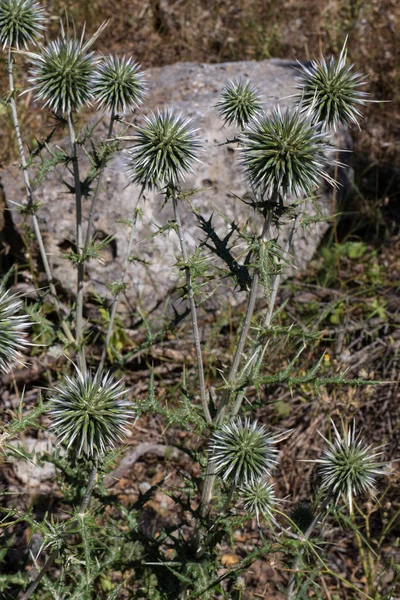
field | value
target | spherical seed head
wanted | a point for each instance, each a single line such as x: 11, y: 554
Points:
x: 242, y: 452
x: 118, y: 84
x: 62, y: 75
x: 239, y: 103
x: 349, y: 467
x: 164, y: 150
x: 21, y: 21
x: 258, y: 499
x: 13, y: 326
x: 284, y: 153
x: 331, y: 91
x: 90, y: 413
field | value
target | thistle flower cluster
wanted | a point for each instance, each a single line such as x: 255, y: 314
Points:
x: 90, y: 413
x: 13, y: 326
x: 244, y: 454
x: 164, y: 150
x: 239, y: 104
x: 349, y: 467
x: 331, y: 91
x: 285, y: 153
x: 21, y: 22
x: 118, y: 84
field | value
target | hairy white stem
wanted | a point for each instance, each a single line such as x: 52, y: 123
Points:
x: 98, y: 186
x: 79, y: 247
x: 29, y: 195
x: 257, y: 356
x: 193, y: 313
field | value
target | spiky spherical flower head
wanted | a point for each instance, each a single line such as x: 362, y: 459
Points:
x: 90, y: 413
x: 239, y: 103
x: 242, y: 452
x: 62, y: 75
x: 13, y: 326
x: 118, y: 84
x: 284, y: 153
x: 330, y: 90
x: 349, y: 467
x: 164, y: 150
x: 21, y: 22
x: 258, y: 499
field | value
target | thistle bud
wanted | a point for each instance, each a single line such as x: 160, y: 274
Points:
x: 243, y: 452
x: 12, y: 329
x: 330, y: 91
x: 118, y: 84
x: 349, y: 467
x: 62, y: 74
x: 90, y: 413
x: 258, y: 499
x: 21, y: 21
x: 239, y: 103
x: 164, y: 150
x: 285, y: 153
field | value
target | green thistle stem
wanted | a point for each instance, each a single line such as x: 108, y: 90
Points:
x: 98, y: 186
x: 29, y: 194
x: 79, y: 247
x: 246, y: 326
x: 201, y: 544
x: 53, y: 556
x: 268, y: 316
x: 192, y: 303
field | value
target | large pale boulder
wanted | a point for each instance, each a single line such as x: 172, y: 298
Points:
x: 192, y: 89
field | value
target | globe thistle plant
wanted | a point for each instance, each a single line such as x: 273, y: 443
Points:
x: 349, y: 467
x: 118, y: 84
x: 90, y: 413
x: 285, y: 153
x: 239, y: 103
x: 164, y: 150
x: 242, y: 452
x: 331, y: 91
x: 21, y: 22
x: 62, y: 75
x: 13, y: 326
x: 258, y: 499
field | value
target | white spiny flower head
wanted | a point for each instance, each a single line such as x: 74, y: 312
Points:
x: 62, y: 74
x: 90, y: 413
x: 118, y: 84
x: 239, y: 104
x: 21, y: 22
x: 330, y: 90
x: 258, y: 499
x: 349, y: 467
x: 13, y: 326
x: 164, y: 150
x: 243, y: 452
x: 285, y: 153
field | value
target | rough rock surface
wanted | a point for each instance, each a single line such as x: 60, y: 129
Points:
x: 192, y: 89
